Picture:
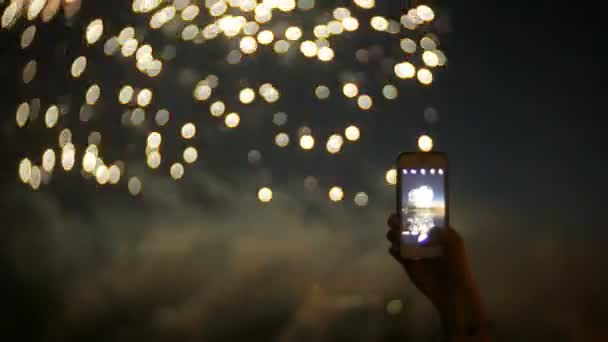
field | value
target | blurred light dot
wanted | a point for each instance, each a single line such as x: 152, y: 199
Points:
x: 111, y: 46
x: 336, y: 194
x: 27, y: 37
x: 322, y: 92
x: 144, y: 97
x: 365, y: 102
x: 177, y: 171
x: 251, y: 28
x: 29, y: 71
x: 129, y: 47
x: 232, y: 120
x: 425, y: 13
x: 308, y: 48
x: 405, y: 70
x: 190, y: 155
x: 25, y: 170
x: 350, y: 24
x: 431, y: 115
x: 248, y: 45
x: 408, y: 45
x: 114, y: 174
x: 441, y: 58
x: 188, y: 131
x: 22, y: 114
x: 311, y: 183
x: 162, y: 117
x: 341, y: 13
x: 126, y: 94
x: 217, y: 108
x: 218, y: 8
x: 89, y: 161
x: 394, y: 307
x: 138, y: 116
x: 78, y: 66
x: 391, y: 176
x: 94, y: 138
x: 334, y: 143
x: 352, y: 133
x: 154, y: 159
x: 93, y: 94
x: 86, y: 113
x: 11, y: 13
x: 254, y: 156
x: 202, y: 92
x: 126, y: 34
x: 190, y: 13
x: 35, y: 177
x: 325, y: 54
x: 247, y: 95
x: 102, y: 174
x: 281, y: 46
x: 321, y: 31
x: 293, y: 33
x: 68, y: 156
x: 65, y: 137
x: 307, y: 142
x: 48, y: 160
x: 154, y: 140
x: 265, y: 37
x: 306, y: 5
x: 234, y: 57
x: 190, y: 32
x: 379, y: 23
x: 279, y: 119
x: 281, y: 139
x: 350, y: 90
x: 425, y: 143
x: 428, y: 43
x: 425, y: 76
x: 361, y: 199
x: 335, y: 27
x: 134, y: 186
x: 265, y: 195
x: 430, y: 58
x: 34, y: 9
x: 94, y: 31
x: 390, y: 92
x: 51, y: 116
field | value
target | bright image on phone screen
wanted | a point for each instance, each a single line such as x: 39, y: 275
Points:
x: 423, y: 203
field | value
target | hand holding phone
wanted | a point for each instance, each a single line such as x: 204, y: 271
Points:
x: 422, y: 200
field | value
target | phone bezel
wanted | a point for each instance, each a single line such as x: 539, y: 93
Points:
x: 423, y: 160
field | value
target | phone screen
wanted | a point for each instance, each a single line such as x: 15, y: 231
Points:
x: 423, y: 203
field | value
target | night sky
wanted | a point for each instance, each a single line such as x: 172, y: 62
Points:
x: 202, y: 260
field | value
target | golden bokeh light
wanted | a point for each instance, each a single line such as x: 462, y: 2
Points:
x: 177, y: 171
x: 51, y: 116
x: 336, y: 194
x: 322, y: 92
x: 94, y: 31
x: 334, y: 143
x: 265, y: 195
x: 162, y: 117
x: 144, y: 97
x: 425, y: 143
x: 430, y: 58
x: 68, y: 156
x: 408, y: 45
x: 379, y: 23
x: 154, y: 159
x: 22, y: 115
x: 126, y: 94
x: 248, y: 45
x: 405, y: 70
x: 134, y: 186
x: 425, y: 76
x: 27, y: 37
x: 308, y: 48
x: 307, y: 142
x: 293, y: 33
x: 391, y: 177
x: 350, y: 90
x: 48, y: 160
x: 188, y: 131
x: 154, y: 140
x: 365, y: 102
x: 350, y: 24
x: 190, y: 155
x: 25, y: 170
x: 79, y: 66
x: 425, y: 13
x: 352, y: 133
x: 232, y: 120
x: 92, y: 95
x: 247, y: 95
x: 265, y: 37
x: 281, y: 139
x: 325, y: 54
x: 390, y: 92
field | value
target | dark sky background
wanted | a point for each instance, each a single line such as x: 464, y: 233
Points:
x: 521, y: 117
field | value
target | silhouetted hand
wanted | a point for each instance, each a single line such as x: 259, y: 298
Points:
x: 446, y: 281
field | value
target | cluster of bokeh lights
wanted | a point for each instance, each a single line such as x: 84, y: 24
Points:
x: 249, y: 23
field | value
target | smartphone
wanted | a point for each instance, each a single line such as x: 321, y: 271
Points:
x: 422, y: 201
